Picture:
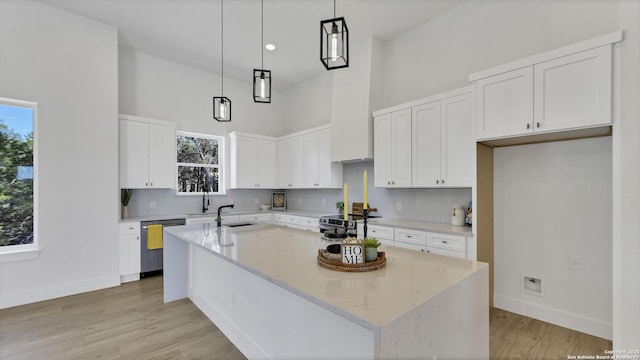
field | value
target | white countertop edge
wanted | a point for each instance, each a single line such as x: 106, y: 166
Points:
x: 349, y: 316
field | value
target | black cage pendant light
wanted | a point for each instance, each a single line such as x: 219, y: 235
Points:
x: 261, y: 77
x: 222, y: 104
x: 334, y: 42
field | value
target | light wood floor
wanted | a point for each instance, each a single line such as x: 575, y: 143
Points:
x: 131, y: 322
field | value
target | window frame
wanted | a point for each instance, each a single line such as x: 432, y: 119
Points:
x: 26, y: 251
x: 221, y: 163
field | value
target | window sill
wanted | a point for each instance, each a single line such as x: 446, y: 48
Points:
x: 19, y: 255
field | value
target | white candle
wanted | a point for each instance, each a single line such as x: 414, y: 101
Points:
x: 346, y: 201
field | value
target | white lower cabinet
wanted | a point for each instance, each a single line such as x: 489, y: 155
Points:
x: 384, y: 234
x: 445, y: 244
x: 411, y: 239
x: 129, y: 245
x: 287, y: 220
x: 308, y: 224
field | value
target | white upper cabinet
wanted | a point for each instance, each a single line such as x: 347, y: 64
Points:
x: 319, y: 171
x: 564, y: 90
x: 305, y: 160
x: 253, y: 161
x: 457, y: 161
x: 392, y: 149
x: 147, y: 153
x: 573, y: 91
x: 426, y: 143
x: 504, y: 104
x: 291, y: 162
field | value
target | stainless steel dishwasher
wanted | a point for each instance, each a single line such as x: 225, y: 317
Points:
x: 151, y: 260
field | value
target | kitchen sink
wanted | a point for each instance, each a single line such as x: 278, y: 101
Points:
x: 237, y: 224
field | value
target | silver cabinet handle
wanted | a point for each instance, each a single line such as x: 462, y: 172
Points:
x: 437, y: 181
x: 393, y: 183
x: 443, y: 181
x: 409, y: 236
x: 537, y: 124
x: 388, y: 182
x: 444, y: 241
x: 528, y: 125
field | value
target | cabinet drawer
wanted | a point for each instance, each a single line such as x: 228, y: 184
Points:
x: 415, y: 247
x: 132, y: 227
x: 376, y: 231
x: 416, y: 237
x: 310, y: 228
x: 447, y: 242
x: 287, y: 219
x: 456, y: 254
x: 308, y: 222
x: 255, y: 217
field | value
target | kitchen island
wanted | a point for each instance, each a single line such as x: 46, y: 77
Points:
x: 262, y: 286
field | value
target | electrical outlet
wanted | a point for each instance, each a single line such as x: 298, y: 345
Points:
x: 575, y: 262
x: 152, y: 204
x: 398, y: 205
x: 256, y: 201
x: 324, y: 201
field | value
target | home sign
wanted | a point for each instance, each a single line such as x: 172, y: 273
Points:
x: 352, y: 251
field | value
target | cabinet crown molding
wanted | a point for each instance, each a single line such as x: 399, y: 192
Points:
x: 145, y: 120
x: 426, y: 100
x: 606, y: 39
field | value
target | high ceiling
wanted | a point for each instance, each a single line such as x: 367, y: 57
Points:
x: 188, y: 31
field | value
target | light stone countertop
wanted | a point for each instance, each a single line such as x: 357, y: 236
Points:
x: 424, y: 226
x: 287, y: 257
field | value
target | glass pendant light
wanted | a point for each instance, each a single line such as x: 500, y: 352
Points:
x: 334, y: 42
x: 261, y: 77
x: 222, y: 104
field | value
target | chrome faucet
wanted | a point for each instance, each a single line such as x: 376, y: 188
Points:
x: 219, y: 219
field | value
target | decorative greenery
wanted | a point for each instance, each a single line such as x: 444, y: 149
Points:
x: 125, y: 196
x: 371, y: 242
x: 340, y: 205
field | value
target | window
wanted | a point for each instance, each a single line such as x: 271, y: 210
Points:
x: 18, y: 175
x: 199, y: 162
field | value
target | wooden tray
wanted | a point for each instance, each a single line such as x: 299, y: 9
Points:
x: 339, y: 266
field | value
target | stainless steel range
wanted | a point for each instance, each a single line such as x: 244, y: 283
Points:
x: 335, y: 227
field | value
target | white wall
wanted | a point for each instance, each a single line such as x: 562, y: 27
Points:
x: 308, y: 104
x: 160, y: 89
x: 553, y: 201
x: 439, y: 55
x: 626, y: 193
x: 68, y: 65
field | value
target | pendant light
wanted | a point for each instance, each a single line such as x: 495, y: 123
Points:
x: 222, y: 104
x: 334, y: 42
x: 261, y: 77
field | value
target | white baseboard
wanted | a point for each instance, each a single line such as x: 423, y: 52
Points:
x: 8, y: 300
x: 129, y: 278
x: 566, y: 319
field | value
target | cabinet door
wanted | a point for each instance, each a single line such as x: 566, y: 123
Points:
x: 134, y: 253
x: 330, y: 174
x: 573, y: 91
x: 382, y: 150
x: 457, y: 142
x: 134, y: 154
x: 266, y: 164
x: 162, y: 156
x: 311, y: 160
x: 401, y: 148
x: 290, y: 161
x: 243, y: 163
x: 426, y: 145
x: 504, y: 104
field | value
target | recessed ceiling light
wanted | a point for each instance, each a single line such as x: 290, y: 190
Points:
x: 270, y: 47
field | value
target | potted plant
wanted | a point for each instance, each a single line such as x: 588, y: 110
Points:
x: 125, y: 196
x: 340, y: 207
x: 370, y: 249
